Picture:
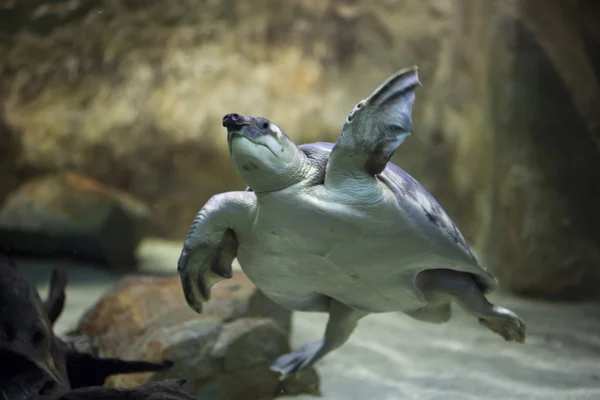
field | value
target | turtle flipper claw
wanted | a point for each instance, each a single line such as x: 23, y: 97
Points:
x: 506, y: 324
x: 294, y: 362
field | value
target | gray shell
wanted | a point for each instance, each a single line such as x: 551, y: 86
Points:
x: 403, y: 185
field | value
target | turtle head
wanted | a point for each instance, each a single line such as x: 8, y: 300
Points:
x: 263, y: 155
x: 379, y: 123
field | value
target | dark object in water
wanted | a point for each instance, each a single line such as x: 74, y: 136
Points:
x: 88, y: 370
x: 32, y: 359
x: 34, y: 363
x: 169, y: 389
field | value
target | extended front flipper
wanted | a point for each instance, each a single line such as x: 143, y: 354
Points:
x: 374, y: 129
x: 211, y: 244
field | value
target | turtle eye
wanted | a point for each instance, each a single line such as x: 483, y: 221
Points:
x: 265, y: 125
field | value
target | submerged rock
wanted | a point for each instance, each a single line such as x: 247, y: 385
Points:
x: 224, y: 353
x: 69, y: 214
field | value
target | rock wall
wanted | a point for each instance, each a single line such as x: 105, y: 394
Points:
x: 132, y: 93
x: 518, y: 105
x: 547, y: 168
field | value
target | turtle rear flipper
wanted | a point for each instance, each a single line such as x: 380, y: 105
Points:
x: 436, y: 284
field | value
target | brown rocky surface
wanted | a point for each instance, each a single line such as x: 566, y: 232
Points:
x: 69, y: 214
x: 224, y: 353
x: 132, y: 93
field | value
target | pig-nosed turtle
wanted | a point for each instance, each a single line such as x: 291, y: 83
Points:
x: 338, y: 229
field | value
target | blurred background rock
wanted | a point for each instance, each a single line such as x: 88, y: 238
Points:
x: 130, y: 94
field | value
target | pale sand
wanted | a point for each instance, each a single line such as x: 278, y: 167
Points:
x: 392, y: 356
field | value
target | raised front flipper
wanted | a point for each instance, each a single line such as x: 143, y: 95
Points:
x: 211, y: 245
x: 374, y: 129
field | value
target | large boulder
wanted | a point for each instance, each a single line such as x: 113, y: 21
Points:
x: 224, y: 353
x: 70, y: 214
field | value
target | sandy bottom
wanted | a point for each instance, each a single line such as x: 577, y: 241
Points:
x: 392, y: 356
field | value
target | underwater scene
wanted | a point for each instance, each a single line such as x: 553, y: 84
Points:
x: 300, y: 199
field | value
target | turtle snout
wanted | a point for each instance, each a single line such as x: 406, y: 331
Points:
x: 233, y: 120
